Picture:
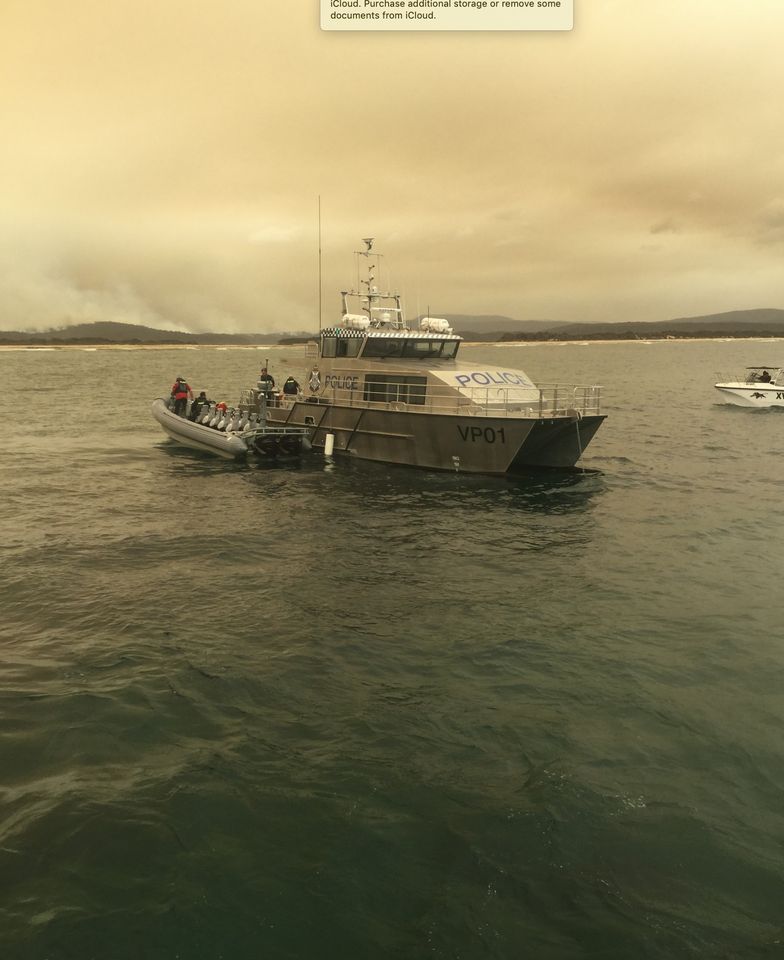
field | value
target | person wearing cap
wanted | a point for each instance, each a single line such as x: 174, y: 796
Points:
x: 180, y: 392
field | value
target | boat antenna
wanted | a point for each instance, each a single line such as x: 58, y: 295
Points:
x: 319, y: 258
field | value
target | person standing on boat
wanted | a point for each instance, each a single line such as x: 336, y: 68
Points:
x: 180, y: 392
x: 266, y: 381
x: 266, y: 386
x: 198, y: 405
x: 291, y: 387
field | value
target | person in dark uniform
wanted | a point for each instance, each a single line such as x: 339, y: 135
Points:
x: 291, y: 387
x: 765, y: 377
x: 198, y: 405
x: 266, y: 381
x: 266, y: 388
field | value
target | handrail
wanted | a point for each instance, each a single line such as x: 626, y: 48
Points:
x: 541, y: 402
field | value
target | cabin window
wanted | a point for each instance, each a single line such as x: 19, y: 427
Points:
x: 348, y: 347
x: 388, y: 388
x: 422, y: 349
x: 328, y: 346
x: 383, y: 347
x: 410, y: 349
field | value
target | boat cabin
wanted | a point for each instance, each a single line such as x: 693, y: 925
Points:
x: 771, y: 375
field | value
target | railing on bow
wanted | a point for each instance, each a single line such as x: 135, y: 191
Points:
x: 754, y: 376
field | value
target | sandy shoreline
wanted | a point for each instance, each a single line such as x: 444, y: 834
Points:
x: 90, y: 347
x: 148, y: 346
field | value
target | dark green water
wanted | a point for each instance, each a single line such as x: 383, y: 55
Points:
x: 345, y: 711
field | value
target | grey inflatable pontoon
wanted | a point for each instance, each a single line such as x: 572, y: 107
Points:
x: 198, y: 436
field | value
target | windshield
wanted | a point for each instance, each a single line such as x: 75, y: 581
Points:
x: 410, y: 349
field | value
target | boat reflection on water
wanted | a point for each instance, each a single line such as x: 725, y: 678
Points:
x: 538, y: 491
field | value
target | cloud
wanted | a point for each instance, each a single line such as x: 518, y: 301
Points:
x: 37, y: 294
x: 164, y: 163
x: 665, y: 226
x: 274, y: 233
x: 770, y: 222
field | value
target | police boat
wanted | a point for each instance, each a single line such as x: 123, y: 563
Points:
x: 232, y: 434
x: 383, y: 391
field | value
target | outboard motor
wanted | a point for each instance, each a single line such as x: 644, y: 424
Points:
x: 216, y: 417
x: 243, y: 421
x: 233, y: 421
x: 208, y: 414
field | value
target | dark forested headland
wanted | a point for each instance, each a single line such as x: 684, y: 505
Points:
x: 761, y: 323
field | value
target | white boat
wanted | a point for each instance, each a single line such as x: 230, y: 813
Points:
x: 257, y: 437
x: 757, y: 387
x: 386, y: 392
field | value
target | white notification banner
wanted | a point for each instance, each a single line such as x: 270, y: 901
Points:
x: 447, y: 14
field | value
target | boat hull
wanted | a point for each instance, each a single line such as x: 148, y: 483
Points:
x: 751, y: 395
x: 484, y: 444
x: 196, y: 435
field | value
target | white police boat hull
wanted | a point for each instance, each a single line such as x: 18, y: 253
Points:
x: 230, y: 446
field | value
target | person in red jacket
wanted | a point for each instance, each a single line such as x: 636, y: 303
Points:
x: 180, y: 392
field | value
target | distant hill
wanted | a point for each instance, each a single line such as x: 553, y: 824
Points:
x: 768, y: 322
x: 759, y: 317
x: 104, y: 331
x: 489, y: 327
x: 485, y: 322
x: 763, y: 322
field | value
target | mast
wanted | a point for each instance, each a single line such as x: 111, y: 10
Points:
x: 368, y: 241
x: 377, y: 305
x: 319, y: 259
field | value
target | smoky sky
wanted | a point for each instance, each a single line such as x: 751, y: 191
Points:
x: 163, y: 163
